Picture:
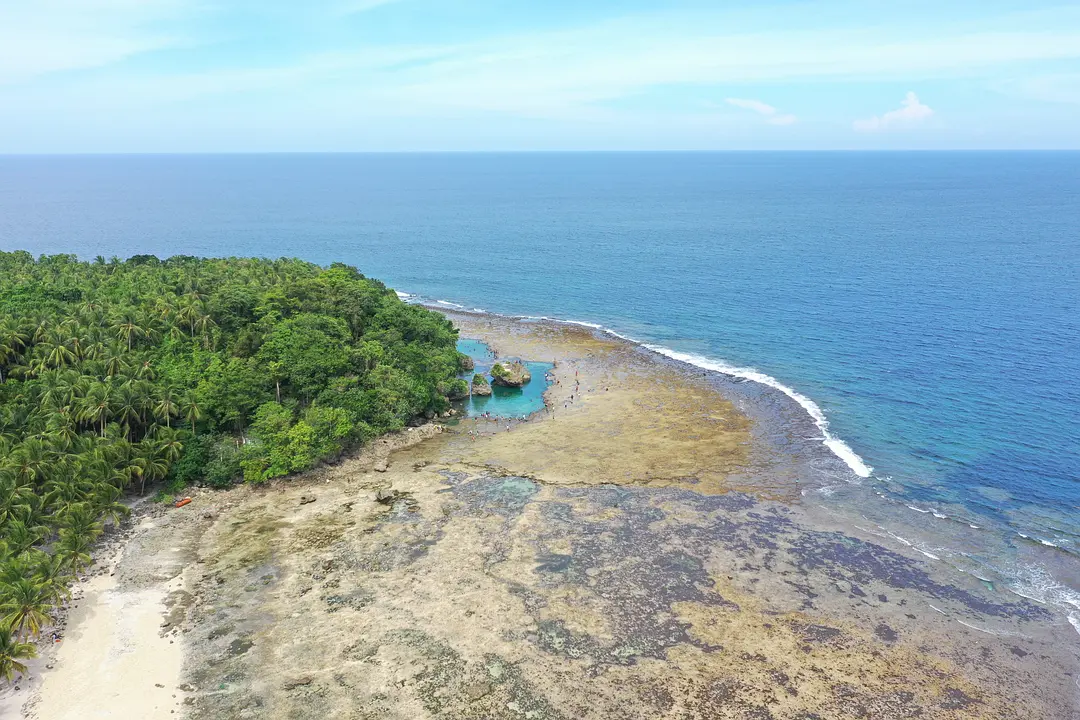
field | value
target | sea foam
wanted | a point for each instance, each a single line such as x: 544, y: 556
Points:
x: 835, y: 444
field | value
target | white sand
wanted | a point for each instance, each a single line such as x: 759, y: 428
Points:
x: 108, y: 666
x: 113, y: 659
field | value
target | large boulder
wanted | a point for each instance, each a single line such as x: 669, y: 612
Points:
x: 511, y: 374
x: 480, y: 385
x: 465, y: 363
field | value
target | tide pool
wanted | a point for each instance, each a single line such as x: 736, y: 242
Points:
x: 503, y: 402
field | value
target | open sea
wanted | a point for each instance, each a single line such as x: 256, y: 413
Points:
x: 921, y: 309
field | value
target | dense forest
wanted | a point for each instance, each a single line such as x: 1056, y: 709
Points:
x: 119, y: 377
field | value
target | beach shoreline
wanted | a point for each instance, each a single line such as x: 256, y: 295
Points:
x: 115, y: 656
x: 484, y: 571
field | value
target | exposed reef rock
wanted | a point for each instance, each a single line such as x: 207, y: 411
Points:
x: 480, y: 385
x: 511, y: 374
x: 465, y: 363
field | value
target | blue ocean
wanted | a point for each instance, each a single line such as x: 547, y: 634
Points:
x: 923, y: 309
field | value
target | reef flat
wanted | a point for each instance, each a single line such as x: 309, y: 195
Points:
x: 617, y: 555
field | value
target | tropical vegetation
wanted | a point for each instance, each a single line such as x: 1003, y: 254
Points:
x: 121, y: 376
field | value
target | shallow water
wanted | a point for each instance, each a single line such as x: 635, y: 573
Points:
x: 503, y: 402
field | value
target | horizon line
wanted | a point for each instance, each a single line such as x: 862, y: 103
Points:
x: 733, y: 151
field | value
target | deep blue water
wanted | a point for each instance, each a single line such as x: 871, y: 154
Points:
x: 928, y: 303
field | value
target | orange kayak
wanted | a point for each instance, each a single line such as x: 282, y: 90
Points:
x: 182, y: 503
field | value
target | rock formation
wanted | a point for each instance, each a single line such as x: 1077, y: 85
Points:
x: 480, y: 385
x: 511, y: 374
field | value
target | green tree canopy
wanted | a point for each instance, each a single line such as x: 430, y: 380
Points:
x: 117, y: 376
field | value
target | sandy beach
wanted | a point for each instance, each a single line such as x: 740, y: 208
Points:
x: 119, y: 657
x: 632, y: 552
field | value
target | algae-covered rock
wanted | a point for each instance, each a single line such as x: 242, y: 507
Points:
x: 511, y: 374
x: 480, y: 385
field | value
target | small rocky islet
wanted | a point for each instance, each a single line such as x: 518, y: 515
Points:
x: 512, y: 374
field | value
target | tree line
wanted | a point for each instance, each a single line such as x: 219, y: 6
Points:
x: 121, y: 376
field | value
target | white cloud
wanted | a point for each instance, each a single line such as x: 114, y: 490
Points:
x: 771, y: 114
x: 911, y: 113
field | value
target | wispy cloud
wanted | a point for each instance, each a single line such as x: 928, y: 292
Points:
x: 369, y: 71
x: 771, y: 114
x: 911, y: 113
x: 46, y: 36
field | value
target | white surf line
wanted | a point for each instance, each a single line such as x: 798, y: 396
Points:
x: 838, y: 447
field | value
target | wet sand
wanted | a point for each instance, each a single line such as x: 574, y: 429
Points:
x: 622, y: 555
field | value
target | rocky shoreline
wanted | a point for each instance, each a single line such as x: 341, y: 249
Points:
x: 629, y: 552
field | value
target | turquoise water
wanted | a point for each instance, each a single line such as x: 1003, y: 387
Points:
x: 926, y: 306
x: 503, y: 402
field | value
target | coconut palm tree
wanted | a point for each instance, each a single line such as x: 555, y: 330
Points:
x: 56, y: 349
x: 166, y: 407
x: 61, y: 429
x: 16, y: 501
x: 65, y: 492
x: 148, y: 465
x: 191, y: 407
x: 168, y: 444
x: 97, y: 406
x: 13, y: 341
x: 12, y: 651
x: 108, y: 505
x: 25, y: 606
x: 82, y: 519
x: 129, y: 327
x: 128, y: 407
x: 189, y: 313
x: 15, y: 568
x: 22, y: 536
x: 53, y: 572
x: 74, y: 548
x: 29, y: 461
x: 114, y: 359
x: 52, y: 389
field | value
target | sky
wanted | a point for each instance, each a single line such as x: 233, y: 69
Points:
x: 475, y: 75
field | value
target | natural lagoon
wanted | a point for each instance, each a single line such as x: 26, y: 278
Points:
x: 505, y: 402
